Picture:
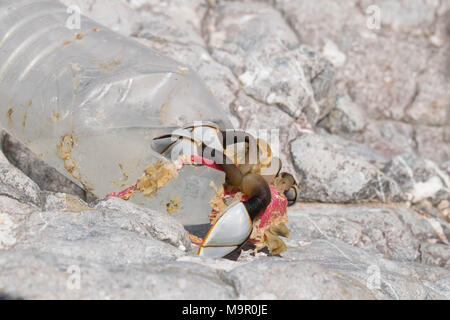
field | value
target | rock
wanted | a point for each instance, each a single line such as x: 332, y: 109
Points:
x: 446, y: 167
x: 346, y: 118
x: 272, y: 278
x: 425, y: 228
x: 432, y: 144
x: 329, y: 173
x: 31, y: 274
x: 436, y: 254
x: 388, y: 138
x: 171, y: 21
x: 12, y: 215
x: 431, y: 106
x: 382, y: 278
x: 46, y: 177
x: 317, y: 23
x: 145, y: 222
x: 389, y: 82
x: 16, y: 185
x: 419, y: 178
x: 426, y: 206
x: 93, y: 236
x: 64, y: 202
x: 395, y: 232
x: 254, y: 41
x: 105, y: 235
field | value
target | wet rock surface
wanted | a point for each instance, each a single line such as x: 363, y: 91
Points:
x: 363, y: 113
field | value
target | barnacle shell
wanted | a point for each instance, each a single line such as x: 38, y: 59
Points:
x: 268, y: 226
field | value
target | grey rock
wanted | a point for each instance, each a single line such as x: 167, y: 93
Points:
x: 254, y: 41
x: 12, y: 215
x: 432, y: 143
x: 389, y: 82
x: 423, y: 227
x: 383, y: 278
x: 389, y: 138
x: 427, y: 207
x: 436, y: 254
x: 64, y: 202
x: 419, y: 178
x: 346, y: 118
x: 46, y: 177
x: 32, y: 274
x: 103, y: 237
x: 15, y: 184
x: 446, y: 167
x: 329, y: 173
x: 358, y: 150
x: 431, y: 105
x: 395, y: 232
x: 272, y: 278
x: 144, y: 221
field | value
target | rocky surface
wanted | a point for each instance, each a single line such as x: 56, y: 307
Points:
x: 362, y: 108
x: 333, y: 170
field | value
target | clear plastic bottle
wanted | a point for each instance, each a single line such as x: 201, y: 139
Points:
x: 89, y: 102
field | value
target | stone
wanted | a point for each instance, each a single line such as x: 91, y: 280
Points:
x: 436, y: 254
x: 386, y: 84
x: 272, y: 278
x: 106, y: 238
x: 329, y: 173
x: 254, y: 41
x: 345, y: 118
x: 446, y: 167
x: 145, y: 222
x: 432, y: 144
x: 431, y: 106
x: 386, y: 137
x: 64, y: 202
x: 394, y: 231
x: 31, y: 274
x: 12, y: 215
x: 382, y: 278
x: 419, y: 178
x: 16, y: 185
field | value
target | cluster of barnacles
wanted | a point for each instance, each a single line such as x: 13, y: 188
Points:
x: 251, y: 204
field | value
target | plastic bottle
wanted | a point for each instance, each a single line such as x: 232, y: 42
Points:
x: 89, y: 101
